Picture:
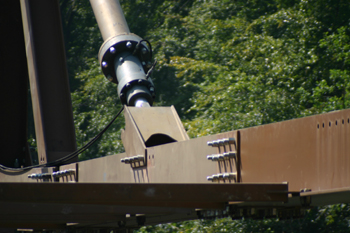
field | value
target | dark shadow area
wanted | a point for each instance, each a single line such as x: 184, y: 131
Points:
x: 159, y: 139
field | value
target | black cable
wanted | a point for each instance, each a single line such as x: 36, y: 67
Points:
x: 66, y: 158
x: 151, y: 69
x: 139, y: 45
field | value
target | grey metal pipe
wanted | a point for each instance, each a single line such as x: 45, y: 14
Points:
x: 125, y: 58
x: 110, y: 18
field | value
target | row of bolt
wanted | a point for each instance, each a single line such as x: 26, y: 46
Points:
x: 229, y: 176
x: 218, y: 157
x: 207, y: 214
x: 137, y: 158
x: 63, y: 173
x: 128, y: 44
x: 221, y: 142
x: 42, y: 176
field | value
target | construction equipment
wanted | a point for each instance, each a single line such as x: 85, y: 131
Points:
x: 280, y: 169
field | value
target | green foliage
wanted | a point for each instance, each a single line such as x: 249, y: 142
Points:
x: 335, y: 218
x: 94, y: 106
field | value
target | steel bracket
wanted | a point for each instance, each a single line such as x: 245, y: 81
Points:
x: 144, y: 128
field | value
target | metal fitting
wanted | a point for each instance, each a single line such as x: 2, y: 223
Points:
x: 221, y: 142
x: 144, y: 51
x: 63, y: 173
x: 226, y: 155
x: 40, y: 176
x: 112, y: 50
x: 229, y: 176
x: 229, y: 155
x: 133, y: 159
x: 128, y: 45
x: 121, y: 57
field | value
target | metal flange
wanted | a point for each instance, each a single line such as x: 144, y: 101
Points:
x: 122, y: 43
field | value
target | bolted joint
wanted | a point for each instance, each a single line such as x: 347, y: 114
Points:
x: 113, y: 46
x: 124, y: 60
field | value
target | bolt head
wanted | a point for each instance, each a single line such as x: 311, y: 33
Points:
x: 128, y: 45
x: 144, y: 51
x: 151, y: 89
x: 149, y: 65
x: 104, y: 64
x: 143, y: 63
x: 112, y: 50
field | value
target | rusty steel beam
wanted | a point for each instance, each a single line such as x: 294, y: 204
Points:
x: 57, y: 204
x: 48, y: 76
x: 310, y: 153
x: 166, y: 195
x: 35, y: 205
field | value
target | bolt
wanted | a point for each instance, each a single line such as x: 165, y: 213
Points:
x: 104, y: 64
x: 110, y: 78
x: 121, y: 60
x: 140, y: 157
x: 71, y: 171
x: 127, y: 160
x: 127, y: 85
x: 221, y: 142
x: 112, y: 50
x: 128, y: 44
x: 226, y: 141
x: 151, y: 89
x: 232, y: 140
x: 215, y: 144
x: 144, y: 50
x: 143, y: 63
x: 229, y: 154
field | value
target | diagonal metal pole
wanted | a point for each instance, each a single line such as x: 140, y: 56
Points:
x: 125, y: 58
x: 48, y: 77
